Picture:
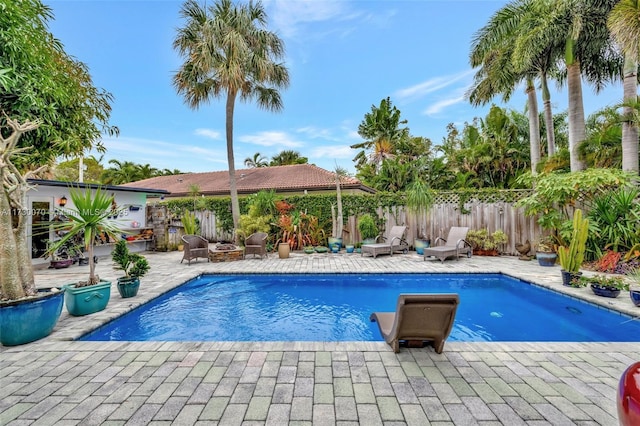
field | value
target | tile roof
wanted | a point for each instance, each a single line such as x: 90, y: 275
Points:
x: 291, y: 178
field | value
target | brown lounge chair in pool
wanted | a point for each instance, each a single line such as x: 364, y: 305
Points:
x: 395, y: 243
x: 454, y: 245
x: 418, y: 317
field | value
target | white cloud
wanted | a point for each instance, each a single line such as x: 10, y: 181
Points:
x: 272, y: 138
x: 208, y: 133
x: 333, y: 151
x: 431, y: 85
x: 316, y: 133
x: 289, y: 15
x: 440, y: 105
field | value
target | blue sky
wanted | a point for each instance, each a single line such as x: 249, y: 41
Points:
x: 343, y: 57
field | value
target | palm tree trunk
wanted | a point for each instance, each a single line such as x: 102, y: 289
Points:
x: 630, y: 128
x: 548, y: 116
x: 235, y: 205
x: 577, y: 128
x: 534, y: 126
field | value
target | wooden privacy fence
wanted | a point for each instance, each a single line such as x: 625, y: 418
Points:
x: 489, y: 211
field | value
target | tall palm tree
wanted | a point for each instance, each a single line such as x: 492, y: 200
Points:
x: 258, y: 160
x: 624, y: 24
x: 575, y: 32
x: 229, y: 52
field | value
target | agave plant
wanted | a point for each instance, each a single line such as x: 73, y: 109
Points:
x: 89, y: 216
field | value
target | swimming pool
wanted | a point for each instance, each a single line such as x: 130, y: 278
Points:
x: 336, y: 307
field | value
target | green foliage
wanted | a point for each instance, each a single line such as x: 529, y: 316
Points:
x: 133, y: 265
x: 419, y: 197
x: 90, y: 215
x: 481, y: 239
x: 571, y: 257
x: 555, y: 192
x: 615, y: 283
x: 250, y: 224
x: 288, y: 157
x: 367, y: 227
x: 615, y: 217
x: 263, y: 202
x: 41, y: 81
x: 190, y: 223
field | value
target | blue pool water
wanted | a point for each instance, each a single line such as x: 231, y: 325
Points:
x: 336, y: 307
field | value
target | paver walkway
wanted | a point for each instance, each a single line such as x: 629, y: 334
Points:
x: 64, y: 382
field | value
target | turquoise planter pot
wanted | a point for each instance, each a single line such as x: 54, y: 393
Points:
x: 350, y: 249
x: 87, y: 300
x: 420, y: 245
x: 28, y: 320
x: 128, y: 287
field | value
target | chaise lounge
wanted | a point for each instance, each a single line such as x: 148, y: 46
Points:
x: 395, y: 243
x: 454, y: 245
x: 418, y: 317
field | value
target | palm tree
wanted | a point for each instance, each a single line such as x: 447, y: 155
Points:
x: 258, y: 160
x: 229, y: 52
x: 288, y: 157
x: 121, y: 172
x: 575, y: 32
x: 381, y: 130
x: 624, y: 24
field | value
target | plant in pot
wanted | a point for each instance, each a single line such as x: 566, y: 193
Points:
x: 27, y: 313
x: 134, y: 266
x: 545, y: 251
x: 337, y: 219
x: 634, y: 292
x: 571, y: 257
x: 603, y: 285
x: 88, y: 217
x: 484, y: 243
x: 419, y: 200
x: 368, y: 228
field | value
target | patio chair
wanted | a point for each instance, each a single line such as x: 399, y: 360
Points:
x: 418, y: 317
x: 194, y: 247
x: 396, y: 242
x: 256, y: 244
x: 454, y: 245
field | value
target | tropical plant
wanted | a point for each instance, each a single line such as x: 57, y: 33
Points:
x: 624, y: 24
x: 615, y: 216
x: 419, y: 200
x: 90, y: 216
x: 367, y: 227
x: 571, y: 257
x: 337, y: 220
x: 481, y: 239
x: 381, y: 130
x: 258, y: 160
x: 288, y: 157
x: 575, y: 33
x: 133, y: 265
x: 613, y: 283
x: 229, y: 52
x: 190, y: 223
x: 41, y: 81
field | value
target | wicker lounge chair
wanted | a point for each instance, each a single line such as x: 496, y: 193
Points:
x: 454, y: 245
x: 256, y: 244
x: 194, y: 247
x: 395, y: 243
x: 418, y: 317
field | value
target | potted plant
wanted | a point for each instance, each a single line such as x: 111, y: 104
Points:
x: 419, y: 199
x: 545, y: 251
x: 571, y: 257
x: 485, y: 244
x: 368, y: 228
x: 134, y: 266
x: 634, y: 293
x: 89, y: 217
x: 27, y: 313
x: 603, y: 285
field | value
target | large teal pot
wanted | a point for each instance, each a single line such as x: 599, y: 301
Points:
x: 27, y: 320
x: 87, y: 300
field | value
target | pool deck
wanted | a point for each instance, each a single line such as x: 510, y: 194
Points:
x: 59, y: 381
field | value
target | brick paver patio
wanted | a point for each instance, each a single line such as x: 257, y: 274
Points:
x: 59, y: 381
